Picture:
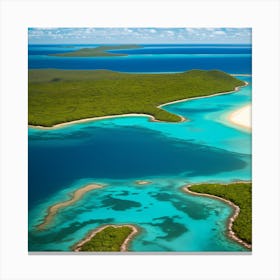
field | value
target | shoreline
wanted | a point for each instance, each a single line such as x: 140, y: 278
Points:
x: 123, y: 247
x: 152, y: 118
x: 61, y: 125
x: 75, y: 196
x: 242, y: 75
x: 231, y: 219
x: 208, y: 96
x: 241, y: 117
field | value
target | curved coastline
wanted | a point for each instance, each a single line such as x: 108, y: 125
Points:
x: 61, y: 125
x: 236, y: 209
x: 241, y: 117
x: 75, y: 196
x: 151, y: 118
x: 123, y: 247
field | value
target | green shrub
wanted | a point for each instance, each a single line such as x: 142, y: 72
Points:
x: 109, y: 239
x: 241, y: 195
x: 83, y: 94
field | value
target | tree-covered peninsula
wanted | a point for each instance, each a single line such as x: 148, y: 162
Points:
x: 60, y: 96
x: 241, y: 195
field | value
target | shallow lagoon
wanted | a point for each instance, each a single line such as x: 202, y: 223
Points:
x: 119, y: 151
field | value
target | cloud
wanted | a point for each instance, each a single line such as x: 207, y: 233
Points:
x: 220, y: 32
x: 169, y: 33
x: 138, y: 35
x: 190, y: 30
x: 127, y: 30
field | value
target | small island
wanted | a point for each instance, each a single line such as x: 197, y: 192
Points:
x: 64, y: 96
x: 97, y: 52
x: 109, y: 238
x: 239, y: 196
x: 142, y: 182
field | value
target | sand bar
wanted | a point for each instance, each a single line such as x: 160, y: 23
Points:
x: 236, y: 209
x: 75, y: 196
x: 141, y: 183
x: 244, y: 75
x: 242, y: 117
x: 124, y: 246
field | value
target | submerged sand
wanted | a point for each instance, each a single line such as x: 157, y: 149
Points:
x: 76, y: 195
x: 141, y: 183
x: 242, y: 117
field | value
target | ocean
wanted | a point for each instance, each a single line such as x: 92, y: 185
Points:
x: 149, y: 58
x: 119, y: 151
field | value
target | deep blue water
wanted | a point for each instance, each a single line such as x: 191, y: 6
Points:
x: 150, y: 58
x: 118, y: 153
x: 185, y: 49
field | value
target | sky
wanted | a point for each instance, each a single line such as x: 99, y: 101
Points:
x: 139, y: 35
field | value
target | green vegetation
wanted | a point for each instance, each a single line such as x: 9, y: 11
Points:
x: 109, y: 239
x: 59, y: 96
x: 241, y: 195
x: 98, y: 51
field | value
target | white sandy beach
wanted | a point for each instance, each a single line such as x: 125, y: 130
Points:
x: 242, y: 117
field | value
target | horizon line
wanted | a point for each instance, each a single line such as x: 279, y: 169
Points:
x: 247, y: 44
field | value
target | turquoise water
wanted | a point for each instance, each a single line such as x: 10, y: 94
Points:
x: 117, y: 152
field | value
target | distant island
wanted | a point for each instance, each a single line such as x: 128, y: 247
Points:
x: 62, y: 96
x: 239, y: 196
x: 109, y: 238
x: 98, y: 51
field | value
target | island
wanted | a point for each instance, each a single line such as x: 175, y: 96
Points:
x: 58, y: 97
x: 109, y: 238
x: 142, y: 182
x: 239, y: 196
x: 74, y: 197
x: 98, y: 51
